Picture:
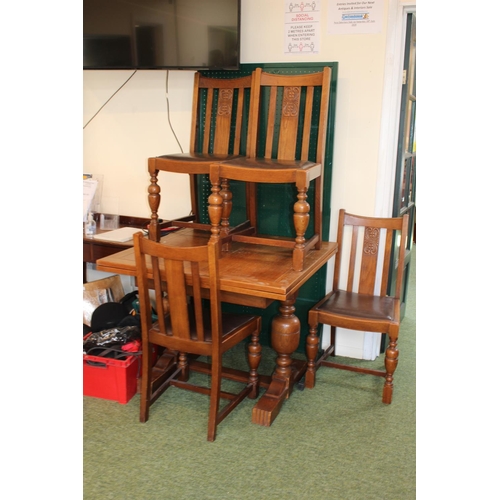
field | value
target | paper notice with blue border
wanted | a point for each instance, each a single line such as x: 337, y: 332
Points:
x: 355, y: 16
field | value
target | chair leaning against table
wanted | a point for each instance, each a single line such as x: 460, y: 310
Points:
x: 189, y: 328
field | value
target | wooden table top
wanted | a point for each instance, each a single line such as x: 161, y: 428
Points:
x: 250, y: 274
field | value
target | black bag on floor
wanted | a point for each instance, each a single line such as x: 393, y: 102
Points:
x: 119, y: 338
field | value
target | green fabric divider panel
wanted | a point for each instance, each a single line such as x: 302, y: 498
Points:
x: 275, y: 201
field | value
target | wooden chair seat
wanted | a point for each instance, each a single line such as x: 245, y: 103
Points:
x: 230, y: 325
x: 190, y: 163
x: 268, y: 170
x: 374, y: 249
x: 379, y: 311
x: 191, y: 328
x: 285, y: 112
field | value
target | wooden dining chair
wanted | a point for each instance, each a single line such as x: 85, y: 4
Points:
x: 360, y: 298
x: 190, y: 329
x: 286, y: 145
x: 219, y: 119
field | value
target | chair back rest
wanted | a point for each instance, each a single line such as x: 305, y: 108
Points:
x: 368, y: 244
x: 285, y: 113
x: 220, y: 114
x: 180, y: 271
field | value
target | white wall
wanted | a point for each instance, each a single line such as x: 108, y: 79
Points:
x: 132, y: 127
x: 134, y: 124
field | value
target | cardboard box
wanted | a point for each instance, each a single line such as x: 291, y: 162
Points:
x: 98, y: 292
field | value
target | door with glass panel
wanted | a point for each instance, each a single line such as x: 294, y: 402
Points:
x: 404, y: 189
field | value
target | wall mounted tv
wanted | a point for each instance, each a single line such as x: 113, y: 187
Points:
x: 161, y: 34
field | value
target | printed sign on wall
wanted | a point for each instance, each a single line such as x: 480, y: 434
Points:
x: 302, y: 27
x: 355, y: 16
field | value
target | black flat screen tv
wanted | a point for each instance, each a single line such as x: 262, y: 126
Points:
x: 161, y: 34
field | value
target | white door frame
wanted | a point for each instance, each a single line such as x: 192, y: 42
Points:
x: 389, y: 128
x: 391, y: 104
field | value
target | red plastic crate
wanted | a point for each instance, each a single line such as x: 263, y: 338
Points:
x: 111, y: 379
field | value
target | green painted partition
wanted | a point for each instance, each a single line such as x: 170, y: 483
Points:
x: 275, y: 201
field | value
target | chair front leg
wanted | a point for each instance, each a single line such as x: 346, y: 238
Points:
x: 215, y: 208
x: 154, y: 202
x: 312, y: 346
x: 183, y: 365
x: 300, y: 220
x: 254, y: 357
x: 227, y: 206
x: 146, y: 381
x: 215, y: 389
x: 391, y: 362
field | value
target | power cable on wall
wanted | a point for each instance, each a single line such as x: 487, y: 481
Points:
x: 166, y: 97
x: 99, y: 110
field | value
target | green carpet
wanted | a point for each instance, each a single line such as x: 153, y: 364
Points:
x: 337, y: 441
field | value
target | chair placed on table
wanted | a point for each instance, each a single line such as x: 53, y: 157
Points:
x: 190, y: 328
x: 286, y: 145
x: 218, y: 132
x: 369, y: 244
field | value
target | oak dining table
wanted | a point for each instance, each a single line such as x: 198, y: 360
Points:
x: 254, y: 275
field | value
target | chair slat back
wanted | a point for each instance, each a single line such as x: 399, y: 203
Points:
x: 285, y: 112
x: 368, y: 243
x: 167, y: 269
x: 219, y: 114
